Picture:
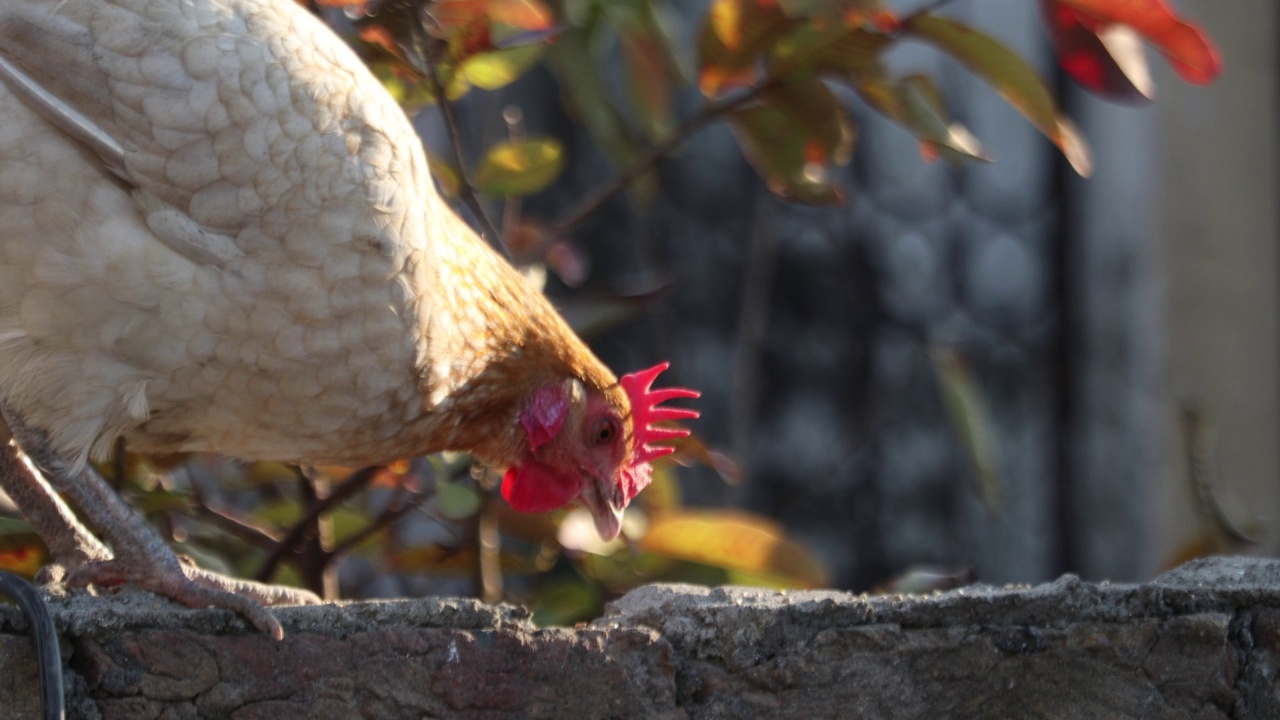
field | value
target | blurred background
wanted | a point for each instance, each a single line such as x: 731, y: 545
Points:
x: 1120, y: 330
x: 998, y: 372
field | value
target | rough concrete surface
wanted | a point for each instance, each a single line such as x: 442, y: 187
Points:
x: 1199, y: 642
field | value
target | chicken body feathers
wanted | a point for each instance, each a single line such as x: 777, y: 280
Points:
x: 226, y: 239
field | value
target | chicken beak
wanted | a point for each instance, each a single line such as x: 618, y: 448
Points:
x: 604, y: 499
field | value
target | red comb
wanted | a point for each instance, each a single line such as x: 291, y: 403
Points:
x: 645, y: 412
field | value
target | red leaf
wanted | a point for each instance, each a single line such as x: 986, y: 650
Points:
x: 1188, y: 50
x: 523, y: 14
x: 1109, y: 62
x: 472, y: 39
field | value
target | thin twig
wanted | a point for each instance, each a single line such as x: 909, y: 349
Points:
x: 447, y: 111
x: 580, y: 212
x: 758, y: 282
x: 242, y: 528
x: 489, y: 581
x: 313, y: 558
x: 377, y: 524
x: 513, y: 118
x: 119, y: 465
x: 343, y: 491
x: 381, y: 523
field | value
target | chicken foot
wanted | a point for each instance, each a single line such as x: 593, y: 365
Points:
x: 140, y: 556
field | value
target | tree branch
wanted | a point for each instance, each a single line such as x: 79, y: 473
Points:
x: 580, y: 212
x: 242, y: 528
x: 379, y: 524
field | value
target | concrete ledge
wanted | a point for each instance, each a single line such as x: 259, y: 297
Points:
x: 1200, y: 642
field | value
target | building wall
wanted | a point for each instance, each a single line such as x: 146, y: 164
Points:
x: 1219, y: 241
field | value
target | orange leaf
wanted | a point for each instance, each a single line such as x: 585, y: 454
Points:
x: 725, y: 21
x: 737, y: 541
x: 21, y: 550
x: 736, y: 35
x: 380, y: 36
x: 358, y: 5
x: 1189, y: 51
x: 24, y: 560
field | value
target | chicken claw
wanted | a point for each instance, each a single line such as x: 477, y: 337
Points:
x: 141, y: 558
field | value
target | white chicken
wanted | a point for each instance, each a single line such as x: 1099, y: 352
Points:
x: 218, y: 233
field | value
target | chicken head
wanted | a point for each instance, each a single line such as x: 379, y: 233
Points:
x: 582, y: 447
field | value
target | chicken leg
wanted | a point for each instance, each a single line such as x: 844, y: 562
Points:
x: 140, y: 556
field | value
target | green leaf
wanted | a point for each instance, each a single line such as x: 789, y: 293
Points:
x: 964, y: 404
x: 347, y: 522
x: 412, y: 92
x: 514, y: 169
x: 445, y: 171
x: 14, y: 526
x: 593, y: 316
x: 158, y: 499
x: 847, y: 12
x: 927, y: 116
x: 794, y: 137
x: 854, y: 57
x: 457, y: 501
x: 498, y: 68
x: 1011, y: 77
x: 663, y: 494
x: 650, y: 81
x: 586, y: 95
x: 848, y: 53
x: 566, y: 602
x: 282, y: 513
x: 915, y: 103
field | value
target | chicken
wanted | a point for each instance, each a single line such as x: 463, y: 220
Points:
x: 218, y: 234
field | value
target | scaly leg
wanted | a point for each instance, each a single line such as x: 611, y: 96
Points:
x: 141, y: 557
x: 69, y: 542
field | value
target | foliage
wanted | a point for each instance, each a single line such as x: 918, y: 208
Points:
x: 768, y: 68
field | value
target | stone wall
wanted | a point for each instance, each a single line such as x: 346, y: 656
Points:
x: 1199, y: 642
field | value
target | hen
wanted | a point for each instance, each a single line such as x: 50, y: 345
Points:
x: 218, y: 234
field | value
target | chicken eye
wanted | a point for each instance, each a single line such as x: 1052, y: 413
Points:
x: 605, y: 431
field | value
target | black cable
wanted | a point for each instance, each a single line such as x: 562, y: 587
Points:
x: 49, y: 658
